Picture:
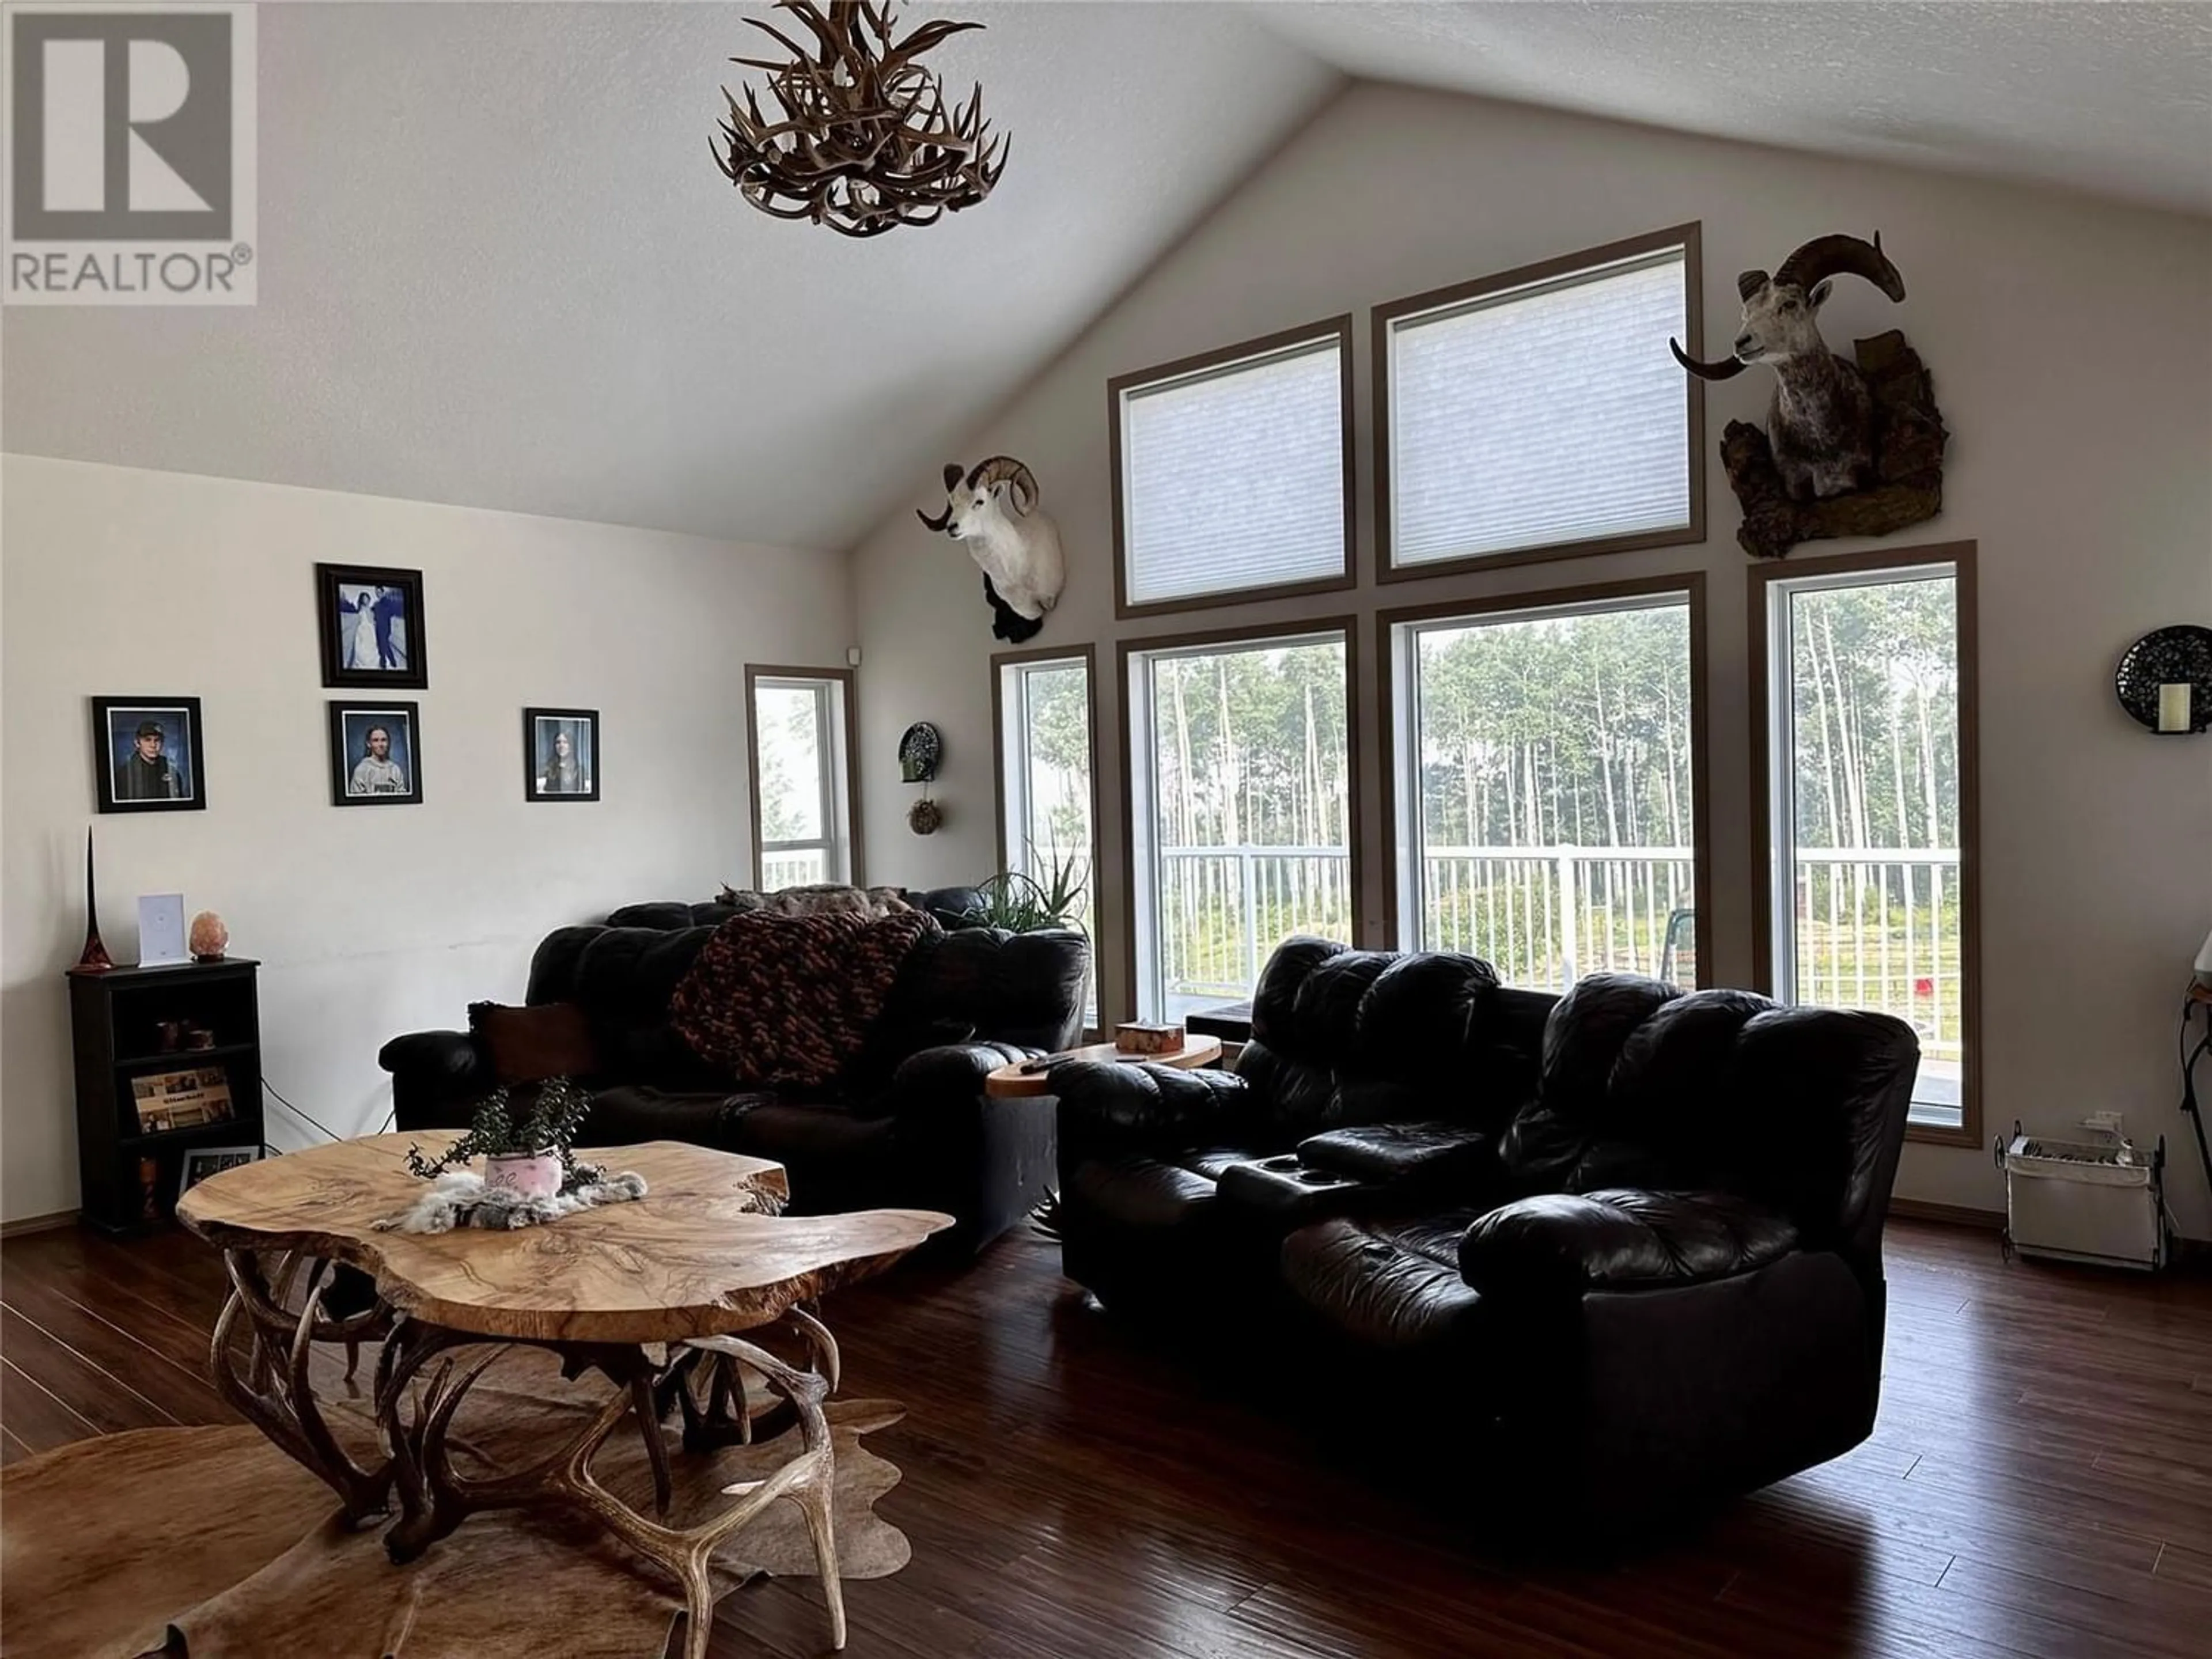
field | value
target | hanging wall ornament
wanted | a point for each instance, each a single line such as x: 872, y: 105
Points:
x: 2164, y: 680
x: 920, y: 750
x: 925, y: 817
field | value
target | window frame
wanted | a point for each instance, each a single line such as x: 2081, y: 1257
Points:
x: 1087, y: 654
x: 1291, y: 630
x: 1760, y: 596
x: 839, y: 777
x: 1386, y: 316
x: 1689, y: 585
x: 1207, y: 363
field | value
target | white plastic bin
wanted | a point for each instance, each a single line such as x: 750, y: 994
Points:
x: 2084, y: 1201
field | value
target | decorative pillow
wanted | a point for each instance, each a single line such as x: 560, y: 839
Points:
x: 790, y: 999
x: 528, y: 1045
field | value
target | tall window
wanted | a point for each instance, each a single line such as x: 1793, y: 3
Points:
x: 1232, y: 472
x: 1540, y: 412
x: 1868, y: 797
x: 1544, y: 784
x: 1045, y: 788
x: 1240, y: 809
x: 800, y: 721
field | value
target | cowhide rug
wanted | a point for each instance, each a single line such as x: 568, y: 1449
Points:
x: 211, y: 1543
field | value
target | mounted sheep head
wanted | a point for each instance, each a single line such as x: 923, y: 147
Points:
x: 992, y: 508
x: 1822, y: 422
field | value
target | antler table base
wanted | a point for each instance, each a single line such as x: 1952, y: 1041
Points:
x: 651, y: 1296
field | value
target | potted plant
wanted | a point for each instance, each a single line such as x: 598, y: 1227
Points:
x: 1022, y: 903
x: 531, y: 1155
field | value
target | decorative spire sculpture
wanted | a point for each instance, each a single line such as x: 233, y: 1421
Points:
x: 93, y: 958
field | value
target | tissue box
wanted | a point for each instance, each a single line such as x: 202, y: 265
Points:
x: 1139, y: 1037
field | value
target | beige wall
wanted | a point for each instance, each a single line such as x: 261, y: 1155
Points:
x: 2073, y: 360
x: 372, y: 921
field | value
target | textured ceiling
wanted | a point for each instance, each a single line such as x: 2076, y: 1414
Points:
x: 500, y: 269
x: 2109, y: 97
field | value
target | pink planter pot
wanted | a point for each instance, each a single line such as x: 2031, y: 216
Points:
x: 527, y: 1174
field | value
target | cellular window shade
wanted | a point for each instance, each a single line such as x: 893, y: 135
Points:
x: 1234, y: 479
x: 1538, y: 418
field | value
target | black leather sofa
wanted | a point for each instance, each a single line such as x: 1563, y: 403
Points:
x: 907, y: 1125
x: 1612, y: 1255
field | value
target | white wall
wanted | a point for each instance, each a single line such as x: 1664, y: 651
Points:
x: 368, y: 921
x: 2072, y: 356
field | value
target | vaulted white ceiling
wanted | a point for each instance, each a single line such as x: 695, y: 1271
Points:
x: 500, y: 269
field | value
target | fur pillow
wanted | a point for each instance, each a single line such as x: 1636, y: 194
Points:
x: 790, y: 999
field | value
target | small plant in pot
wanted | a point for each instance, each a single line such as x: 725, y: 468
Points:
x: 529, y: 1153
x: 1024, y: 904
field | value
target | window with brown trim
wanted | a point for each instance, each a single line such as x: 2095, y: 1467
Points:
x: 1241, y: 756
x: 1539, y: 414
x: 1232, y: 473
x: 1864, y: 804
x: 798, y: 727
x: 1546, y: 806
x: 1048, y: 776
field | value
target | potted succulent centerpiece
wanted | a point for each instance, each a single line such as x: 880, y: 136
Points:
x: 529, y: 1154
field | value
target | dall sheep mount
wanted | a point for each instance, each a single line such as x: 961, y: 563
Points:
x: 992, y: 506
x: 1851, y: 448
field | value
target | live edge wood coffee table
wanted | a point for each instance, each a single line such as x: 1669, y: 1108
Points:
x: 652, y: 1295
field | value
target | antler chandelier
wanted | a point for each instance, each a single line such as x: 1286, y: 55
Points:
x: 865, y: 143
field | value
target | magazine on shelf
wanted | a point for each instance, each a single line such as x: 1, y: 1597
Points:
x: 182, y: 1099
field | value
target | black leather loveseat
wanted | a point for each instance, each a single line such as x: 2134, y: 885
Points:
x: 907, y: 1124
x: 1608, y: 1255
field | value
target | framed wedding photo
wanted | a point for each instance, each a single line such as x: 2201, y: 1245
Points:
x: 371, y: 618
x: 376, y: 756
x: 146, y: 755
x: 561, y: 754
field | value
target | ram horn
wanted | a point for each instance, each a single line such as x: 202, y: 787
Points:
x: 1842, y: 256
x: 1726, y: 368
x: 1004, y: 470
x: 1748, y: 282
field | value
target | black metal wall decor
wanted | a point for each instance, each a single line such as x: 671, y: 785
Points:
x: 920, y: 748
x: 2151, y: 669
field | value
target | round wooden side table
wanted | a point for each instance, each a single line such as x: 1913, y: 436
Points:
x: 1011, y: 1082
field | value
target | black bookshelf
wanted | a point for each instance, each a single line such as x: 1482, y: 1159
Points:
x: 142, y: 1098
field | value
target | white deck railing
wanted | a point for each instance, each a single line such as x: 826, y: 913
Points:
x: 1875, y: 927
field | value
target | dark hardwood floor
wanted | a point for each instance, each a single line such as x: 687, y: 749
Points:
x: 2040, y: 1482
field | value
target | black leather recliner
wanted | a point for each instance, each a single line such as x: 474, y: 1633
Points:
x: 908, y: 1125
x: 1620, y: 1249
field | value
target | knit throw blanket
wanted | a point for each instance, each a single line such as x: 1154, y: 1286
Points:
x: 789, y: 999
x: 460, y: 1198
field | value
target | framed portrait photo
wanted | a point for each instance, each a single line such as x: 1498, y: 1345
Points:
x: 376, y: 755
x: 371, y: 618
x: 146, y: 755
x: 561, y: 754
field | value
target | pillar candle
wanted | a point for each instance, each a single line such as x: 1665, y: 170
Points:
x: 2173, y: 706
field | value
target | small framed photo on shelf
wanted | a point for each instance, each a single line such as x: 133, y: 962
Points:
x: 371, y: 620
x: 146, y: 754
x: 200, y: 1161
x: 376, y: 756
x: 561, y: 754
